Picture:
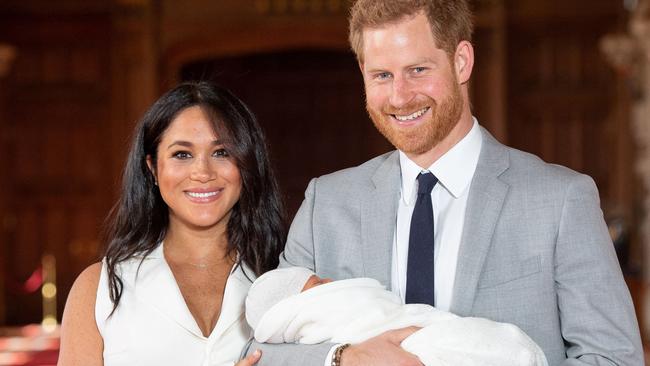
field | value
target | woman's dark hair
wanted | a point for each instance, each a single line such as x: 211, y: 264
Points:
x: 138, y: 222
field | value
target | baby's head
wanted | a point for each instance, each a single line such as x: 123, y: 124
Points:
x: 275, y: 286
x: 314, y: 281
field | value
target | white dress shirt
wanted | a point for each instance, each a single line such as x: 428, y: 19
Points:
x: 454, y: 171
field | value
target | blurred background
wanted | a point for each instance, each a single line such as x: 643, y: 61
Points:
x: 566, y: 80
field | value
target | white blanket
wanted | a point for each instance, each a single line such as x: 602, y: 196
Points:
x: 351, y: 311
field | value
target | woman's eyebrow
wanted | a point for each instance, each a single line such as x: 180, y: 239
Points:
x: 189, y: 144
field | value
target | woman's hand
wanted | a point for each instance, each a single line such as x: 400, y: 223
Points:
x: 251, y: 359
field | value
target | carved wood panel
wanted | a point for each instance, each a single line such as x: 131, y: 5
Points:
x: 55, y: 152
x: 561, y: 93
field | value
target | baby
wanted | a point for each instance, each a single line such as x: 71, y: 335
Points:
x: 293, y: 305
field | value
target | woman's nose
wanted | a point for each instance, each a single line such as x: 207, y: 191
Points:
x: 203, y: 170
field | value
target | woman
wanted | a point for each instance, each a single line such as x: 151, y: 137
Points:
x: 199, y: 217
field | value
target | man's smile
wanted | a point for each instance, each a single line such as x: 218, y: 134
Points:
x: 412, y: 116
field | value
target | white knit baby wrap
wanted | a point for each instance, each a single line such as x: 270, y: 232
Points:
x: 351, y: 311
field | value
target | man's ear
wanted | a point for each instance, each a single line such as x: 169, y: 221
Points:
x: 464, y: 61
x: 152, y: 169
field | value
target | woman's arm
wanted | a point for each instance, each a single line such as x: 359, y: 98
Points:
x: 81, y: 343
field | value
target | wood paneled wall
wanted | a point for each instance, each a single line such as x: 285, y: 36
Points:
x: 562, y: 94
x: 7, y: 54
x: 53, y: 139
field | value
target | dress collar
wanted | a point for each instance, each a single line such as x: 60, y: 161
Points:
x: 155, y: 285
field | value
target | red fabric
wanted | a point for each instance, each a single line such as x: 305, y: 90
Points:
x: 28, y: 346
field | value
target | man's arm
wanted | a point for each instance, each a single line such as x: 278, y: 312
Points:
x: 299, y: 251
x: 597, y: 318
x: 290, y: 354
x: 382, y: 350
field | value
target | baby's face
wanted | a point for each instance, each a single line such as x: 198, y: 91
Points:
x: 314, y: 281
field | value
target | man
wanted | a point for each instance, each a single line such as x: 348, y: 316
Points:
x: 501, y: 235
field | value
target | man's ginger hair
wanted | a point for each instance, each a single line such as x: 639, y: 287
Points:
x: 450, y: 20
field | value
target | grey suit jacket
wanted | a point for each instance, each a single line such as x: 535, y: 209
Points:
x: 535, y: 252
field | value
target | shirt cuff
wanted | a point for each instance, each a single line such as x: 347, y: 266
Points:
x: 330, y: 354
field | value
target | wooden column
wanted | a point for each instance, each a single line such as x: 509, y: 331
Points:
x: 640, y: 30
x: 629, y: 55
x: 7, y: 55
x: 134, y: 72
x: 488, y: 83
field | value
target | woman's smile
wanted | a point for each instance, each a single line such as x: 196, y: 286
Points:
x: 203, y: 196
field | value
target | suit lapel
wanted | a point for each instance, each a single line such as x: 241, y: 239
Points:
x: 486, y: 196
x: 378, y: 219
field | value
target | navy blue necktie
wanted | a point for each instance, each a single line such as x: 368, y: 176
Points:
x: 419, y: 272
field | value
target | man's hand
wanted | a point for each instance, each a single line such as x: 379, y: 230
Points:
x: 383, y: 349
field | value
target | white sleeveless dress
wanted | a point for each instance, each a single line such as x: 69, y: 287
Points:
x: 152, y: 325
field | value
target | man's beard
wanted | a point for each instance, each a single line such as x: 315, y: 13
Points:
x: 427, y: 134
